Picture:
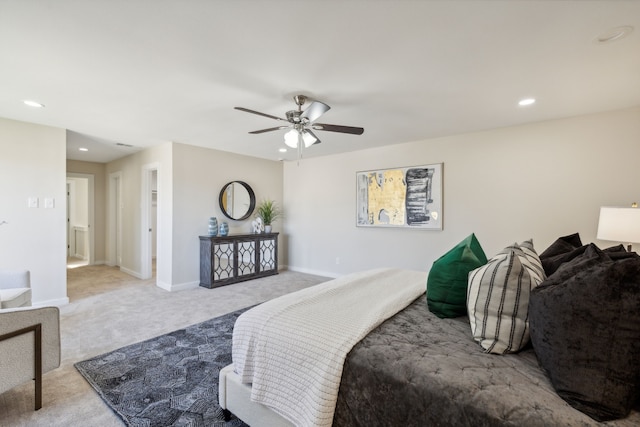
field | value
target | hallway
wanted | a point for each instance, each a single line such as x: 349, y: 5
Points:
x: 73, y: 262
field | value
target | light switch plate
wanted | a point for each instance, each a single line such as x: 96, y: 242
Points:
x: 33, y: 202
x: 49, y: 203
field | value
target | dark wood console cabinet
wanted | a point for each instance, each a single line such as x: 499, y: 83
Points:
x: 236, y: 258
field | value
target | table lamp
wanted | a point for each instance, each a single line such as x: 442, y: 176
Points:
x: 620, y: 224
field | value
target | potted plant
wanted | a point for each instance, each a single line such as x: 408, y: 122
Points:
x: 268, y: 211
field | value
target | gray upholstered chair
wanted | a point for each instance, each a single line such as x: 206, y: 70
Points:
x: 15, y: 288
x: 29, y: 337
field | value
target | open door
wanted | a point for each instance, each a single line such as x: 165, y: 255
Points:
x: 114, y: 235
x: 149, y: 220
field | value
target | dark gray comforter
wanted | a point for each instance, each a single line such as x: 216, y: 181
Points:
x: 419, y: 370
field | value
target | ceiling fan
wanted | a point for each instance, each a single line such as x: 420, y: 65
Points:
x: 302, y: 123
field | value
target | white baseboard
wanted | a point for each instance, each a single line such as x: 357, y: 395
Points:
x: 135, y: 274
x: 178, y: 287
x: 162, y: 285
x: 58, y: 302
x: 333, y: 275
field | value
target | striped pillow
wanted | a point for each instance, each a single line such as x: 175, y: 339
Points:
x: 498, y: 298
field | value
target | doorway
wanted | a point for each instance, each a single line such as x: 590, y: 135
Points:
x: 80, y: 219
x: 150, y: 231
x: 114, y: 235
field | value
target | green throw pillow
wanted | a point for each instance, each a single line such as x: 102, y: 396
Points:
x: 448, y: 278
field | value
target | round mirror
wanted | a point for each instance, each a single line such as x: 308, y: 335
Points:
x: 237, y: 200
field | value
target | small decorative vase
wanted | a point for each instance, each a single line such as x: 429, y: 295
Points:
x: 267, y: 228
x: 257, y: 225
x: 213, y: 226
x: 224, y: 229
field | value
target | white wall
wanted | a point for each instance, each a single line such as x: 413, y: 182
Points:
x: 536, y: 181
x: 199, y: 176
x: 32, y: 165
x: 189, y: 182
x: 131, y: 168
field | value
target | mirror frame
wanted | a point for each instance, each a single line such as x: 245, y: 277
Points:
x: 252, y: 200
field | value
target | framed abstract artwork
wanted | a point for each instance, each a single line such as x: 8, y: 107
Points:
x: 408, y: 197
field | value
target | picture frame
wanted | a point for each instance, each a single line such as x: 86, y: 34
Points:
x: 405, y: 197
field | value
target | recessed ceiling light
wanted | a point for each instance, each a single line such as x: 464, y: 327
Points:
x: 83, y: 149
x: 526, y: 101
x: 614, y: 34
x: 33, y: 104
x: 283, y: 150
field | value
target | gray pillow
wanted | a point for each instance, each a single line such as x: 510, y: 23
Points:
x: 585, y: 329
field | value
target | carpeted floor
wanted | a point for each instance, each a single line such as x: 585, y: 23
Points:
x: 109, y: 310
x: 170, y: 380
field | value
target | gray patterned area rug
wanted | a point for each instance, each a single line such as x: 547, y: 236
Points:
x: 170, y: 380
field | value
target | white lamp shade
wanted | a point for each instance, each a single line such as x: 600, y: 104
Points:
x: 291, y: 138
x: 308, y: 139
x: 619, y: 224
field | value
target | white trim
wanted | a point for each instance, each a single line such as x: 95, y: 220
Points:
x: 163, y: 285
x: 315, y: 272
x: 145, y: 221
x: 92, y: 210
x: 135, y: 274
x: 114, y: 219
x: 71, y: 216
x: 179, y: 287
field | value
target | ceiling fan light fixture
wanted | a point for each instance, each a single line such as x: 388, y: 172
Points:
x: 308, y: 139
x: 300, y: 124
x: 291, y: 138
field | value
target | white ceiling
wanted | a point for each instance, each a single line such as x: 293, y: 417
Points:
x: 145, y: 72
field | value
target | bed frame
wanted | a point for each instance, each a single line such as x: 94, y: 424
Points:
x: 235, y: 397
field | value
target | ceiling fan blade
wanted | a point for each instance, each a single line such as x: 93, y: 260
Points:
x: 315, y: 110
x: 310, y: 138
x: 246, y: 110
x: 268, y: 130
x: 338, y: 128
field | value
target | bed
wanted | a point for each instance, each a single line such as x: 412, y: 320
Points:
x: 416, y: 369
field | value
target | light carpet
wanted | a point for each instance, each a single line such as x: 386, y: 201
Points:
x: 108, y: 310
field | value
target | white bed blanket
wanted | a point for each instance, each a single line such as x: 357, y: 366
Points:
x: 292, y: 349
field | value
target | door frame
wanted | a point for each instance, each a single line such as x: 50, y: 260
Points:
x: 114, y: 235
x: 146, y: 240
x: 91, y: 211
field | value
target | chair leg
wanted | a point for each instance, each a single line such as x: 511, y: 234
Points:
x: 37, y: 360
x: 38, y: 365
